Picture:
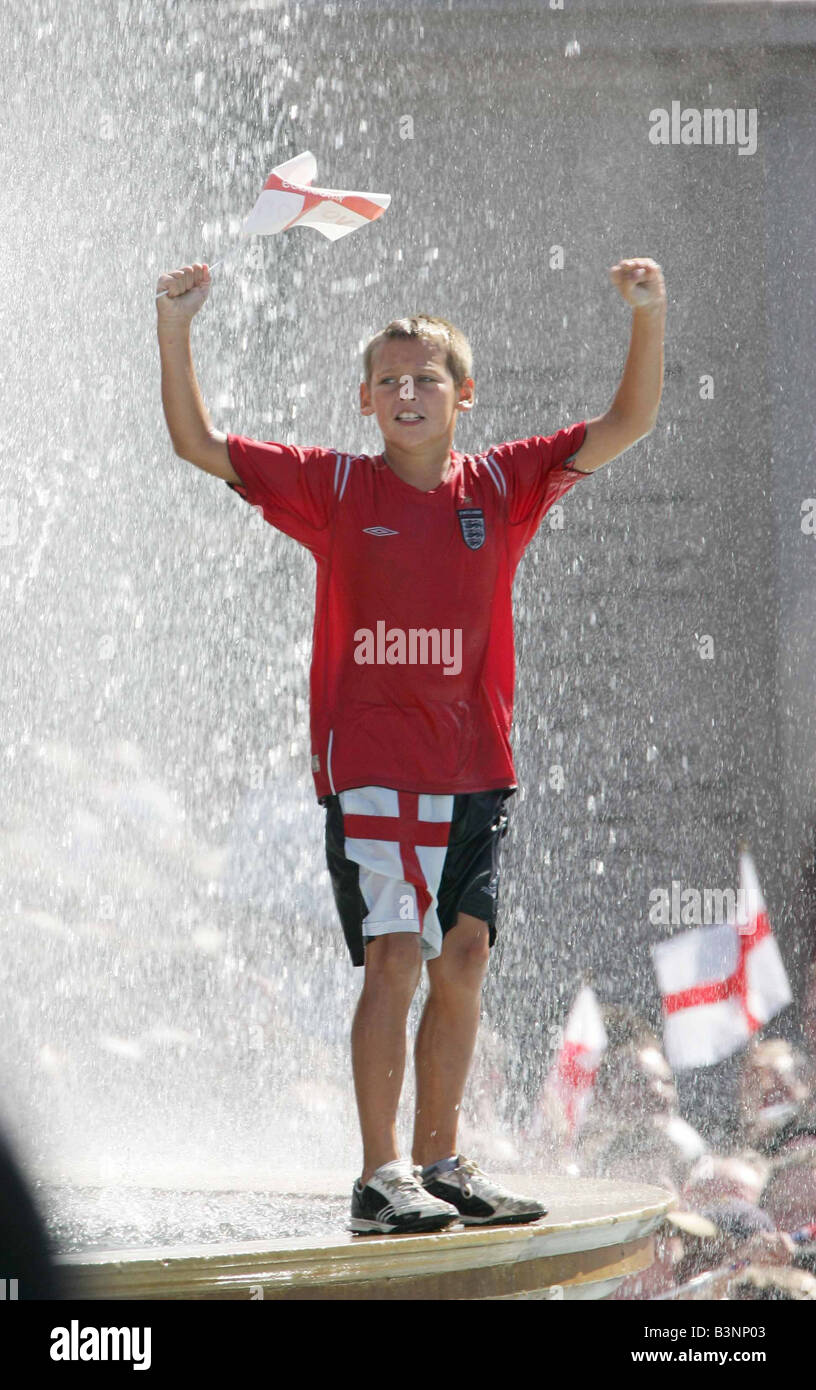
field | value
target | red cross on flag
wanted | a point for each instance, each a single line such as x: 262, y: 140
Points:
x: 572, y: 1075
x: 720, y: 984
x: 288, y: 198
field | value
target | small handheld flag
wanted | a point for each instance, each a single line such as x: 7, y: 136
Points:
x: 721, y: 984
x: 288, y: 199
x: 567, y: 1090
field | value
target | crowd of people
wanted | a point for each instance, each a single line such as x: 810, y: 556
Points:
x: 744, y: 1220
x: 744, y: 1224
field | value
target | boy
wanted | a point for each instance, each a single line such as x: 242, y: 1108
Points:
x: 411, y: 691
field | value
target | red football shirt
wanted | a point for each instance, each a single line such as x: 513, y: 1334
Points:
x: 413, y: 662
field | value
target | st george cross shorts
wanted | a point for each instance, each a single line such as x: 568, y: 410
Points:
x: 409, y: 862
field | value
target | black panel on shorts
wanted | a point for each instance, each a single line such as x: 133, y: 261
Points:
x: 470, y: 878
x: 345, y: 881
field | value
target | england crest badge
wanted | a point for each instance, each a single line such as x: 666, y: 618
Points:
x: 472, y: 523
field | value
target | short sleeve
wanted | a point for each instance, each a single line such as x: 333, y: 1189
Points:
x: 537, y: 473
x: 294, y: 487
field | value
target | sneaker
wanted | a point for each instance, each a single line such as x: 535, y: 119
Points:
x: 394, y: 1199
x: 479, y: 1201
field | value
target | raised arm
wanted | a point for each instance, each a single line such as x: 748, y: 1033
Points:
x: 188, y: 422
x: 633, y: 412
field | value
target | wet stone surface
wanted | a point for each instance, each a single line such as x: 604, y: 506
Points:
x: 87, y: 1219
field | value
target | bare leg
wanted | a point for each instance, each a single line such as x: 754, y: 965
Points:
x: 392, y: 968
x: 446, y: 1037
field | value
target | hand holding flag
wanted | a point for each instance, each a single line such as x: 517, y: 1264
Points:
x: 186, y: 291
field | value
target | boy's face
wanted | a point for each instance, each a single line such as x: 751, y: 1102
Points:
x: 413, y: 394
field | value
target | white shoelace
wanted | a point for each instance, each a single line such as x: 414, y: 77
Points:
x: 402, y: 1181
x: 488, y: 1189
x: 473, y: 1171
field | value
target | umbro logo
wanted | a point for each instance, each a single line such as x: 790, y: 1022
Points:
x: 379, y: 531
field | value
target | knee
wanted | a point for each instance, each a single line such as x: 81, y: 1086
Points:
x: 394, y: 962
x: 473, y: 956
x: 464, y: 960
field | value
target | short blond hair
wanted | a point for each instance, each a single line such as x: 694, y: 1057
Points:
x: 459, y: 358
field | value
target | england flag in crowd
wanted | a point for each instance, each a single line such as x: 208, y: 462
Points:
x: 572, y: 1076
x: 720, y: 984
